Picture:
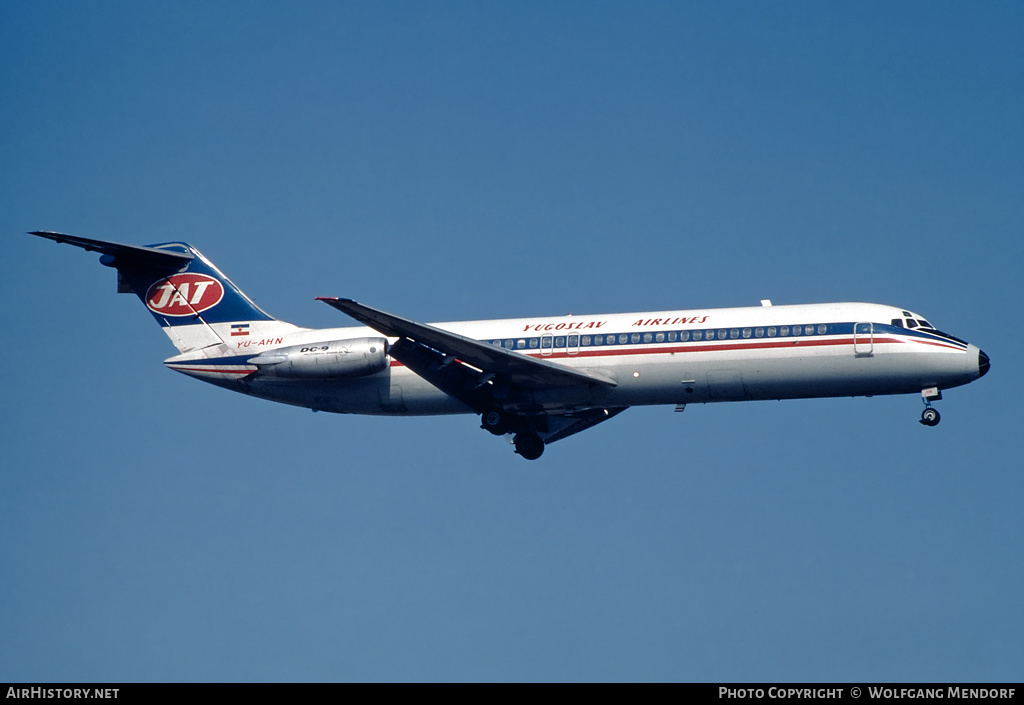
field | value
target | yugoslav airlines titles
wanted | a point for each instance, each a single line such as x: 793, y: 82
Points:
x: 538, y: 379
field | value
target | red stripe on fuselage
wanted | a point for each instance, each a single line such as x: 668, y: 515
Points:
x: 938, y: 344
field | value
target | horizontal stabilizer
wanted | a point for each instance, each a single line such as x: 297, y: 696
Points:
x: 124, y: 254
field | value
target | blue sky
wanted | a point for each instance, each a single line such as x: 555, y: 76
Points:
x: 479, y: 160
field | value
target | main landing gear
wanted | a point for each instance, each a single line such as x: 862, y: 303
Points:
x: 528, y: 444
x: 930, y: 416
x: 495, y: 421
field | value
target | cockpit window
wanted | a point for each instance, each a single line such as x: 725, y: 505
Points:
x: 924, y: 324
x: 911, y: 323
x: 898, y: 322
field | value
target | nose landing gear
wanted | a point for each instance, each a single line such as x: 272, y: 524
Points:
x: 930, y: 416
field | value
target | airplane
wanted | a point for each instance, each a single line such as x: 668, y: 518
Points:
x: 539, y: 379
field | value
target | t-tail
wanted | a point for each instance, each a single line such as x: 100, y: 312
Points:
x: 202, y: 311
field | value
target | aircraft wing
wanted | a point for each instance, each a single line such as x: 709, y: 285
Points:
x: 122, y: 253
x: 511, y: 367
x: 563, y: 426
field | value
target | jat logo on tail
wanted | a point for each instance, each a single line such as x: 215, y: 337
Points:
x: 184, y: 295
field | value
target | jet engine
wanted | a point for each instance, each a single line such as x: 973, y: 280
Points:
x: 356, y: 357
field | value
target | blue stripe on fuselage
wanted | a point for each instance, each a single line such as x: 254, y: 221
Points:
x: 708, y: 337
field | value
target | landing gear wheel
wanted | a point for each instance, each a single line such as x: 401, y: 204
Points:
x: 930, y: 417
x: 494, y: 421
x: 529, y: 445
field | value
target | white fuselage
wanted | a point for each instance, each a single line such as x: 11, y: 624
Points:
x: 673, y: 357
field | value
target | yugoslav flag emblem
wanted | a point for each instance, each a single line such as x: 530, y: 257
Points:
x: 184, y: 295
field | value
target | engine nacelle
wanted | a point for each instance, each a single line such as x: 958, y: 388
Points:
x: 356, y: 357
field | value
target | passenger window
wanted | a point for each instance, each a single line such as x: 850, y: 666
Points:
x: 822, y: 329
x: 623, y: 339
x: 521, y: 344
x: 585, y: 340
x: 560, y: 341
x: 734, y: 333
x: 508, y: 344
x: 672, y: 337
x: 696, y: 334
x: 784, y: 330
x: 746, y: 332
x: 545, y: 341
x: 574, y: 341
x: 808, y: 330
x: 533, y: 343
x: 648, y: 338
x: 598, y: 340
x: 771, y: 332
x: 635, y: 338
x: 659, y: 338
x: 685, y: 335
x: 759, y: 332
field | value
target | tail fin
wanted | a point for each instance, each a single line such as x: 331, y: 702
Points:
x: 196, y: 305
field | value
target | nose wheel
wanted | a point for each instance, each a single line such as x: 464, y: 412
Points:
x: 930, y: 416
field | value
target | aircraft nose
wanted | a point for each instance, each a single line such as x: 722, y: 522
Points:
x: 983, y: 363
